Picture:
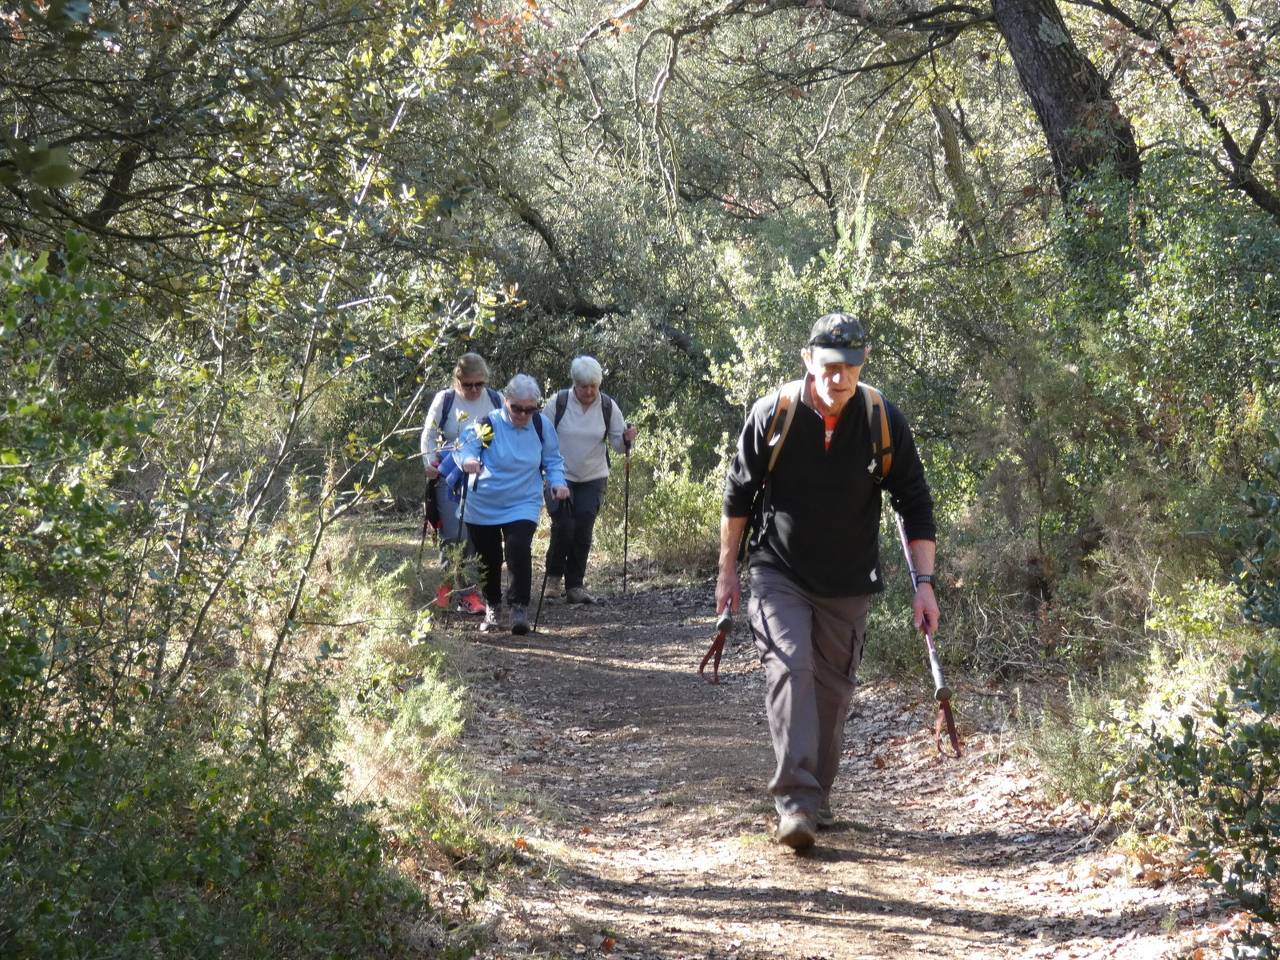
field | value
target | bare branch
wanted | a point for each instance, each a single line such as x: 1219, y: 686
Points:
x: 613, y: 20
x: 1239, y: 169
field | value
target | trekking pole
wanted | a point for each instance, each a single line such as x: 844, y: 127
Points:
x: 723, y: 625
x: 426, y: 522
x: 626, y: 511
x: 543, y: 592
x: 941, y: 692
x: 552, y: 512
x: 460, y: 559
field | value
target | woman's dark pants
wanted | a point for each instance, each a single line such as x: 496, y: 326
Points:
x: 515, y: 541
x: 571, y: 529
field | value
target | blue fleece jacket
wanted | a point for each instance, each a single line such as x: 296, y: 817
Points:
x: 509, y: 485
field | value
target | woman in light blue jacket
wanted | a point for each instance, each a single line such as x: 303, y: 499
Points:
x: 508, y: 453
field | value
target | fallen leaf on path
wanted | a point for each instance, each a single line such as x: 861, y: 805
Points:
x: 1233, y: 925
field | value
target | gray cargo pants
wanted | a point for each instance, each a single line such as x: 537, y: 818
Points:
x: 810, y: 647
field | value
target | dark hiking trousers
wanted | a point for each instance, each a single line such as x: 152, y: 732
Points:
x: 571, y: 529
x: 810, y: 648
x: 515, y: 541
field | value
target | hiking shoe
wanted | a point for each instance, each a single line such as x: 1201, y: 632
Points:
x: 442, y: 596
x: 825, y: 818
x: 579, y: 595
x: 519, y: 620
x: 796, y: 830
x: 471, y: 602
x: 555, y: 587
x: 490, y: 621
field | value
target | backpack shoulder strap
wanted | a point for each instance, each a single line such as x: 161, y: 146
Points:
x: 494, y: 397
x: 562, y: 404
x: 606, y: 408
x: 445, y: 406
x: 485, y: 421
x: 785, y: 401
x: 784, y: 409
x: 878, y: 424
x: 537, y: 425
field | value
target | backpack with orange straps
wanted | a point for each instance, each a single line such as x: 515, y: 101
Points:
x: 780, y: 420
x: 877, y: 420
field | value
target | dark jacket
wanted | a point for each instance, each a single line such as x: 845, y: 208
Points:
x: 821, y: 516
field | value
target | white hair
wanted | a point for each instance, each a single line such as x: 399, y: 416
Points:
x: 522, y: 387
x: 586, y: 371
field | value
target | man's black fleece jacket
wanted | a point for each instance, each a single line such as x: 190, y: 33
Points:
x: 821, y: 518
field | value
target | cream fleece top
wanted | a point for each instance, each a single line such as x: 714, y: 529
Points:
x: 581, y: 433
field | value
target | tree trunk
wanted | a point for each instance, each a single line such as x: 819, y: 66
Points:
x: 968, y: 210
x: 1081, y: 121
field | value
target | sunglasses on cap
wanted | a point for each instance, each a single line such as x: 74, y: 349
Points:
x: 842, y: 334
x: 527, y: 411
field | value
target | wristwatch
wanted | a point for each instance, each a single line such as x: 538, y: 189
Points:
x: 924, y: 578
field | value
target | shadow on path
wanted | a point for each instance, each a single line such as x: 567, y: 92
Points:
x: 644, y: 809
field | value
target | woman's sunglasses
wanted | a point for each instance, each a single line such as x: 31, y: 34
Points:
x: 476, y: 385
x: 527, y: 411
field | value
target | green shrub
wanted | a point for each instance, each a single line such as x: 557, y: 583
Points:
x: 1090, y: 744
x: 147, y: 807
x: 1227, y: 757
x: 190, y: 850
x: 1227, y: 760
x: 1082, y: 746
x: 1258, y: 569
x: 675, y: 514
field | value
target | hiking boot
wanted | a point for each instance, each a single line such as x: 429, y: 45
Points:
x: 825, y: 818
x: 519, y: 620
x: 471, y: 602
x: 555, y: 587
x: 796, y: 830
x: 579, y: 595
x: 490, y: 621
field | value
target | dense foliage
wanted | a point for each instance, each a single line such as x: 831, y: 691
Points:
x: 1226, y: 759
x: 1229, y: 768
x: 196, y: 318
x: 240, y: 243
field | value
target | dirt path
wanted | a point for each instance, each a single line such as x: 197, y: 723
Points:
x: 637, y: 794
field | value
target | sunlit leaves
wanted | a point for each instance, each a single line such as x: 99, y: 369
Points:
x: 1230, y: 769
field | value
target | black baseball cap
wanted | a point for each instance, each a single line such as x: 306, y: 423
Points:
x: 838, y: 338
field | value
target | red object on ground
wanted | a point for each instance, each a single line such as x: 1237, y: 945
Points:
x: 471, y: 602
x: 442, y: 595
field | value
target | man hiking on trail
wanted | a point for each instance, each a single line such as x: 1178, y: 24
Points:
x: 814, y: 558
